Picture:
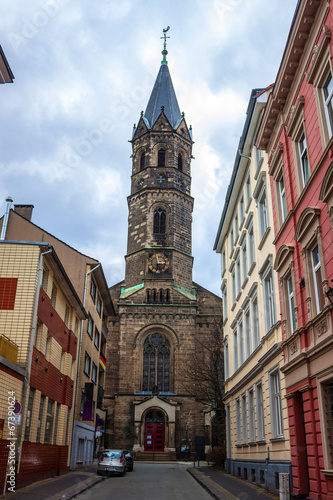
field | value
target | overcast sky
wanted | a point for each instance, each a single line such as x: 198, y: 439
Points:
x: 83, y: 72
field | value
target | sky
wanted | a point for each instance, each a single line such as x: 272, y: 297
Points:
x: 84, y: 71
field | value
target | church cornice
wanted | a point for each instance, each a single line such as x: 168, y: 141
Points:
x: 159, y: 247
x: 157, y: 191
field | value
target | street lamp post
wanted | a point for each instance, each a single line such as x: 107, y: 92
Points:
x: 186, y: 429
x: 329, y: 294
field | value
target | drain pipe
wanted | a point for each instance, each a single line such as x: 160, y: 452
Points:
x: 79, y: 362
x: 27, y: 377
x: 9, y: 201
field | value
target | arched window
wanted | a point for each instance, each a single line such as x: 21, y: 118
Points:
x: 156, y: 363
x: 180, y: 162
x: 167, y: 296
x: 148, y: 296
x: 161, y: 296
x: 161, y: 158
x: 159, y: 221
x: 142, y: 161
x: 154, y: 296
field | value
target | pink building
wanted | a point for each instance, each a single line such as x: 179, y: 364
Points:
x: 297, y: 133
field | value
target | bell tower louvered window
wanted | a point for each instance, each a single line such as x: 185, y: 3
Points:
x: 142, y: 161
x: 180, y: 162
x: 161, y: 158
x: 159, y: 221
x: 156, y: 363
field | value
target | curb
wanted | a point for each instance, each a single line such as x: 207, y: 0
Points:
x: 213, y: 488
x: 72, y: 491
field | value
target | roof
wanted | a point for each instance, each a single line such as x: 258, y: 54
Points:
x: 163, y: 94
x: 6, y: 75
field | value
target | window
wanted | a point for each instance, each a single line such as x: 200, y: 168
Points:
x: 258, y: 158
x: 99, y: 305
x: 238, y: 275
x: 224, y: 263
x: 56, y: 423
x: 282, y: 197
x: 327, y: 91
x: 303, y: 158
x: 244, y: 419
x: 224, y: 300
x: 49, y: 421
x: 97, y: 337
x: 317, y: 278
x: 161, y: 158
x: 241, y: 341
x: 53, y: 296
x: 260, y: 412
x: 40, y: 417
x: 94, y: 373
x: 38, y: 329
x: 248, y: 190
x: 93, y: 290
x: 29, y: 414
x: 159, y: 221
x: 244, y: 259
x: 156, y: 363
x: 45, y: 278
x: 255, y: 320
x: 87, y: 364
x: 250, y: 236
x: 252, y: 428
x: 62, y: 359
x: 241, y: 209
x: 67, y: 425
x: 67, y: 315
x: 83, y: 395
x: 142, y: 161
x: 276, y: 404
x: 226, y: 360
x: 247, y: 328
x: 291, y: 305
x: 236, y: 226
x: 228, y: 422
x: 235, y: 347
x: 238, y: 422
x: 268, y: 287
x: 180, y: 162
x: 261, y: 200
x: 308, y: 233
x: 48, y: 347
x: 233, y: 284
x: 90, y: 325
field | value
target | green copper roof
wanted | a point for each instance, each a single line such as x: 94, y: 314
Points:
x: 163, y: 94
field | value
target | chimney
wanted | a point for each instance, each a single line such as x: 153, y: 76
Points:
x: 24, y: 210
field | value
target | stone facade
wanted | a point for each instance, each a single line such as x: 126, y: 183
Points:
x: 159, y: 308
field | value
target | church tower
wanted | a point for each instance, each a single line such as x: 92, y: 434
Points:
x: 160, y: 311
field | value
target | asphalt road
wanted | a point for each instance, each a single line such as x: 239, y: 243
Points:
x: 149, y: 482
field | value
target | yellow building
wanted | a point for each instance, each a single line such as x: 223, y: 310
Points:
x: 87, y: 277
x: 258, y: 446
x: 39, y: 316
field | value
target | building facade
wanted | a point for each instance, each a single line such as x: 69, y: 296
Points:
x: 161, y: 314
x: 39, y: 309
x: 297, y: 134
x: 87, y: 277
x: 258, y: 446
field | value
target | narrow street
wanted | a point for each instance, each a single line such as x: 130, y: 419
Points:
x: 149, y: 482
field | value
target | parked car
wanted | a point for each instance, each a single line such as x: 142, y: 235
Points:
x: 129, y: 460
x: 112, y: 461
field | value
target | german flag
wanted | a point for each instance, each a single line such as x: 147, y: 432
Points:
x: 102, y: 361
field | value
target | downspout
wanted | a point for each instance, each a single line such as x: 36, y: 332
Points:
x: 9, y: 201
x: 32, y: 338
x: 79, y: 358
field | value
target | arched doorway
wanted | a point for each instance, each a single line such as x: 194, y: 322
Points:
x: 154, y: 431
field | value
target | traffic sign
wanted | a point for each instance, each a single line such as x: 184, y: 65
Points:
x: 17, y: 407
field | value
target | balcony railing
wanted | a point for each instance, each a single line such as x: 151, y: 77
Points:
x: 100, y: 395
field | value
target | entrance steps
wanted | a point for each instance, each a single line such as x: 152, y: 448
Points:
x: 149, y: 456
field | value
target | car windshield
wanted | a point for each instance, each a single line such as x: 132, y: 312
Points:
x: 112, y: 454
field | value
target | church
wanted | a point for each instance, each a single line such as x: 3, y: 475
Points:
x: 162, y: 317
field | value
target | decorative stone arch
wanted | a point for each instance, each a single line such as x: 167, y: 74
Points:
x: 309, y: 219
x: 137, y: 158
x: 142, y: 409
x: 138, y: 345
x: 155, y: 207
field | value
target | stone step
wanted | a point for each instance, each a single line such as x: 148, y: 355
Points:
x: 147, y: 456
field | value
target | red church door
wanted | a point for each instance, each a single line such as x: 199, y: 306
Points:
x: 154, y: 437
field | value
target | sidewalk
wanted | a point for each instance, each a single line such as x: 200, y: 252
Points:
x: 61, y: 487
x: 223, y: 486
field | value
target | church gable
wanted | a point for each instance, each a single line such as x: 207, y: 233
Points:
x: 140, y: 130
x: 162, y: 123
x: 183, y: 130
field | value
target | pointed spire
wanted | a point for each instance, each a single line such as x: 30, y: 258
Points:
x: 163, y: 94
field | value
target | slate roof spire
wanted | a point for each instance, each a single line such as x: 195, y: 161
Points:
x: 163, y: 94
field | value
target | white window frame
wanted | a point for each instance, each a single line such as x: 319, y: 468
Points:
x: 244, y: 419
x: 315, y: 268
x: 260, y: 414
x: 252, y: 423
x: 235, y: 347
x: 267, y: 277
x: 303, y: 156
x: 282, y: 196
x: 244, y: 259
x: 224, y: 300
x: 255, y: 319
x: 238, y: 274
x: 247, y: 330
x: 291, y: 304
x: 275, y: 403
x: 238, y: 421
x: 240, y: 340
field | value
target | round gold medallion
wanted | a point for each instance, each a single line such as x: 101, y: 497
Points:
x: 158, y: 263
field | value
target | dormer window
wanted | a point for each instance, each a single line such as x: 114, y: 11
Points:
x: 142, y: 161
x: 180, y: 162
x: 161, y: 158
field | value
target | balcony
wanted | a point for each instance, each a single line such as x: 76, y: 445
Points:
x: 104, y: 332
